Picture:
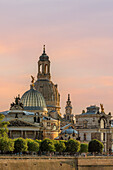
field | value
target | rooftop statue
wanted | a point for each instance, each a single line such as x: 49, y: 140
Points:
x: 33, y: 80
x: 102, y: 108
x: 17, y: 100
x: 17, y: 104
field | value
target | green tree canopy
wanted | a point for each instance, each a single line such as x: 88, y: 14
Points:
x: 73, y: 146
x: 3, y: 126
x: 38, y: 141
x: 20, y: 145
x: 6, y: 144
x: 60, y: 146
x: 33, y: 146
x: 95, y: 146
x: 47, y: 145
x: 84, y: 148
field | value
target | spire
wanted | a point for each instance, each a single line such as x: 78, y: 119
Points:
x: 68, y: 100
x: 68, y: 97
x: 43, y: 49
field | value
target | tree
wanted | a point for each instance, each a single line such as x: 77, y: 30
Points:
x: 20, y: 145
x: 47, y: 145
x: 84, y: 148
x: 60, y: 146
x: 3, y: 126
x: 73, y: 146
x: 6, y: 144
x: 38, y: 141
x: 32, y: 145
x: 95, y: 146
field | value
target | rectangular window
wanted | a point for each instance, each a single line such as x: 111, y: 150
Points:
x: 48, y: 124
x: 104, y: 137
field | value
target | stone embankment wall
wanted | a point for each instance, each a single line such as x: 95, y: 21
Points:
x: 55, y: 163
x: 94, y: 163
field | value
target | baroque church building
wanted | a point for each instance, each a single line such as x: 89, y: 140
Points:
x: 36, y: 114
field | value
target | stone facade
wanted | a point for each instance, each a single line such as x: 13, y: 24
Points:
x: 95, y: 124
x: 30, y: 125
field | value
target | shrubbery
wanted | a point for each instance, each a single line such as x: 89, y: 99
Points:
x: 73, y: 146
x: 3, y: 126
x: 60, y: 146
x: 6, y: 144
x: 20, y: 145
x: 83, y: 148
x: 95, y: 146
x: 47, y: 145
x: 33, y: 146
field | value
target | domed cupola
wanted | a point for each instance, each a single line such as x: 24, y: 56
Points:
x: 33, y: 100
x: 44, y: 56
x: 70, y: 130
x: 44, y: 66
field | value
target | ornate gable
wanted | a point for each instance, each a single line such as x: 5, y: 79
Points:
x: 17, y: 123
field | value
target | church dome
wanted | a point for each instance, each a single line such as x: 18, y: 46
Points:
x: 49, y: 91
x: 33, y: 100
x: 70, y: 130
x: 44, y: 56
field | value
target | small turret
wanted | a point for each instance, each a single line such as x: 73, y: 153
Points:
x: 44, y: 66
x: 68, y: 109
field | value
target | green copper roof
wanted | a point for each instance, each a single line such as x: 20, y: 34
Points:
x: 33, y: 100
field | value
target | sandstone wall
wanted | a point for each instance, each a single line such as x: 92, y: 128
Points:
x: 56, y: 163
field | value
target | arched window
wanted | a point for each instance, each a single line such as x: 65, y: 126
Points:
x: 46, y: 68
x: 102, y: 123
x: 40, y: 68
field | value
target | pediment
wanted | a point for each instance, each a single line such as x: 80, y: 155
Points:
x: 18, y: 123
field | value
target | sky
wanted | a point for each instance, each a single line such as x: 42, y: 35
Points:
x: 78, y: 35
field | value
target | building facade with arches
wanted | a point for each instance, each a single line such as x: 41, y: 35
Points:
x: 95, y: 124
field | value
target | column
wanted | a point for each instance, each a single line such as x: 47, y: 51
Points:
x: 34, y: 134
x: 22, y: 134
x: 25, y: 134
x: 10, y: 134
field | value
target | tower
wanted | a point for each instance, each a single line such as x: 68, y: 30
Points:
x: 45, y: 86
x: 68, y: 110
x: 44, y: 66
